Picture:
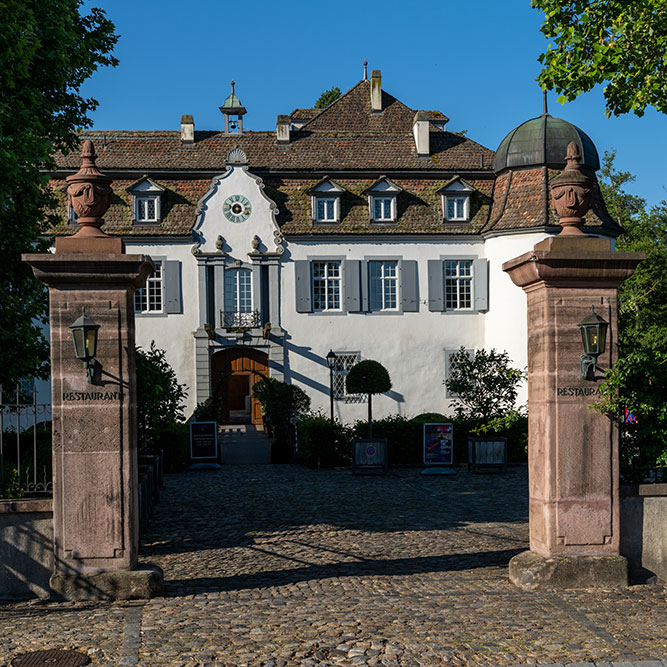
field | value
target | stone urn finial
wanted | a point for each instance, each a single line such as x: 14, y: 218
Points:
x: 89, y: 193
x: 572, y: 193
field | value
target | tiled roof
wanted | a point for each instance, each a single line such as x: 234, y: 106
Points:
x: 519, y: 203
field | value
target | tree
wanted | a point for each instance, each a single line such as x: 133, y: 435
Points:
x: 47, y: 50
x: 634, y: 389
x: 484, y: 383
x: 327, y: 97
x: 368, y: 377
x: 282, y: 404
x: 159, y: 396
x: 619, y: 42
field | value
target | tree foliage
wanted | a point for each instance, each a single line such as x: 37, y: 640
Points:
x: 47, y: 51
x: 618, y: 42
x: 282, y: 404
x: 159, y: 396
x: 368, y: 377
x: 638, y: 381
x: 327, y: 97
x: 484, y: 383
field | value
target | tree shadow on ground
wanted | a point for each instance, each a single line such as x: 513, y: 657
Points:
x: 365, y: 568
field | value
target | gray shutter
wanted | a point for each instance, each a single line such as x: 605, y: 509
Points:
x: 480, y: 272
x: 409, y: 286
x: 352, y: 285
x: 171, y: 270
x: 302, y: 286
x: 436, y: 286
x: 364, y: 286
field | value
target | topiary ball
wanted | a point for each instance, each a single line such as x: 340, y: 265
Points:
x: 367, y: 377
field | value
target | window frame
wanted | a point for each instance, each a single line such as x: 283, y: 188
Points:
x: 236, y: 270
x: 382, y: 279
x: 335, y: 200
x: 466, y: 207
x: 471, y: 278
x: 161, y: 263
x: 145, y: 197
x: 339, y: 375
x: 341, y: 284
x: 391, y: 198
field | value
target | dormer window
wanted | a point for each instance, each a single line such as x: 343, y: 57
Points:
x: 382, y: 198
x: 146, y: 201
x: 456, y: 196
x: 325, y: 198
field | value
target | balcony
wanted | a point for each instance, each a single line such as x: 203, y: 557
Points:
x: 231, y: 319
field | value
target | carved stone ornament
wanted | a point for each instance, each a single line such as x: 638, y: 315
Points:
x: 219, y: 243
x: 256, y: 241
x: 89, y: 193
x: 572, y: 193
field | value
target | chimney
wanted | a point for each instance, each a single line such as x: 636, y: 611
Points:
x: 187, y: 130
x: 282, y: 129
x: 420, y: 130
x: 376, y: 91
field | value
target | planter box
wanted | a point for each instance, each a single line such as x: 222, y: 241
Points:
x: 370, y: 455
x: 487, y: 454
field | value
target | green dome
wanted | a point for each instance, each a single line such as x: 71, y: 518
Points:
x: 543, y: 141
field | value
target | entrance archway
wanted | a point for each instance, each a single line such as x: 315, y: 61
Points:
x: 235, y: 371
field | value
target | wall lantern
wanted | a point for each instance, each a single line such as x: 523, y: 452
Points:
x: 84, y: 333
x: 331, y: 360
x: 593, y: 337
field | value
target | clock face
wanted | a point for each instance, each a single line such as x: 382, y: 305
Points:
x: 236, y: 208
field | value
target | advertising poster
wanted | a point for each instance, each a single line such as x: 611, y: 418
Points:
x: 203, y: 440
x: 438, y: 444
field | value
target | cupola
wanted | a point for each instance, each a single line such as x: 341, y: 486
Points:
x: 233, y: 111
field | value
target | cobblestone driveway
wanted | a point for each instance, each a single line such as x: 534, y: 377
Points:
x: 277, y: 565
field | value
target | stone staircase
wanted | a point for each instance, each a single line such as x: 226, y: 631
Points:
x: 244, y: 444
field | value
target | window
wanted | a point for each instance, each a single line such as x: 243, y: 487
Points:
x: 342, y: 364
x: 383, y: 209
x: 382, y: 196
x: 149, y: 299
x: 146, y: 208
x: 383, y: 287
x: 146, y: 200
x: 326, y: 286
x: 458, y: 284
x: 238, y: 299
x: 326, y: 209
x: 325, y: 197
x: 448, y: 365
x: 72, y: 217
x: 456, y: 208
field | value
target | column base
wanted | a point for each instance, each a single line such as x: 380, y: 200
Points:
x: 141, y: 584
x: 531, y: 572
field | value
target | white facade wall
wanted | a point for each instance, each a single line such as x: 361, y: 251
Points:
x: 506, y: 319
x: 174, y: 332
x: 410, y: 345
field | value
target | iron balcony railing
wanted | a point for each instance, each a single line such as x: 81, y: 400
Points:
x: 231, y: 319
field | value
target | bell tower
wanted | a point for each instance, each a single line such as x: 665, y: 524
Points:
x: 233, y: 111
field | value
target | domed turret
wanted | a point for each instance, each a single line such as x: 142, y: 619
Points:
x: 543, y: 141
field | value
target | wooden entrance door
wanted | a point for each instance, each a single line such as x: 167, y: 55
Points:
x: 233, y: 374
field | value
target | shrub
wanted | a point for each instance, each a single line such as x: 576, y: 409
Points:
x: 174, y: 441
x: 484, y: 383
x: 282, y: 404
x: 514, y: 426
x: 323, y: 443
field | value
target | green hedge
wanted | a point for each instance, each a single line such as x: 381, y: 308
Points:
x: 323, y: 443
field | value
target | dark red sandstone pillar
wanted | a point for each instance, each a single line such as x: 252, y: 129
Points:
x: 573, y: 449
x: 94, y: 424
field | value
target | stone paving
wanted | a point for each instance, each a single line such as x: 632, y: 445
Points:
x: 281, y: 566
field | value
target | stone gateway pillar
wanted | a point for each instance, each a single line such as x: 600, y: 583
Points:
x: 573, y: 450
x: 95, y: 505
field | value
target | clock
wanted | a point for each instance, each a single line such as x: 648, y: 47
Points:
x: 236, y: 208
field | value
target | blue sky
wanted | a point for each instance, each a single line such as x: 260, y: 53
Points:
x: 475, y: 61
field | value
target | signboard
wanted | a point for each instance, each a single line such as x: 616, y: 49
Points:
x: 203, y: 440
x: 438, y: 444
x: 369, y: 455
